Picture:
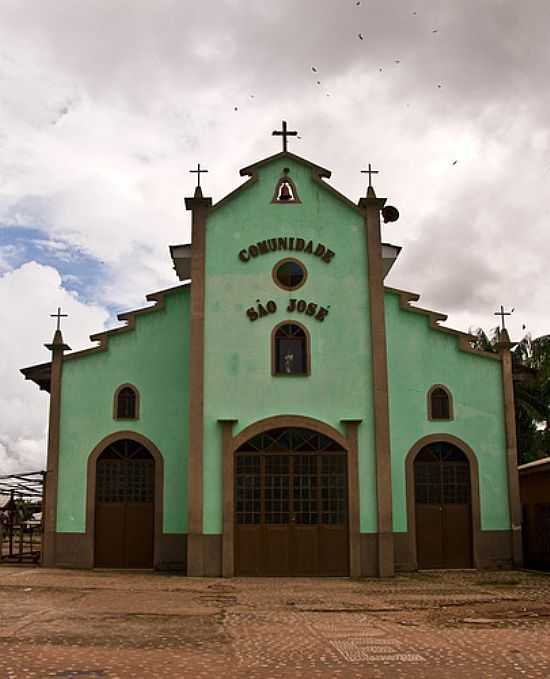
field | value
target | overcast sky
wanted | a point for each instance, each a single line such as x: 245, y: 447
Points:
x: 105, y: 106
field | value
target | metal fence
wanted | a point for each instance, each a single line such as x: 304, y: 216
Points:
x: 21, y: 518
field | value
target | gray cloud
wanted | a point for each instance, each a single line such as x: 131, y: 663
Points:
x: 155, y: 85
x: 139, y: 92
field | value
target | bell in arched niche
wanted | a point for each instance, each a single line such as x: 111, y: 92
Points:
x: 285, y: 191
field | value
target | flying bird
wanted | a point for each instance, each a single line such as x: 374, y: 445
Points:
x: 360, y: 36
x: 397, y: 61
x: 358, y: 3
x: 236, y: 108
x: 62, y: 112
x: 434, y: 30
x: 414, y: 12
x: 439, y: 86
x: 318, y: 82
x: 454, y: 162
x: 380, y: 70
x: 314, y: 69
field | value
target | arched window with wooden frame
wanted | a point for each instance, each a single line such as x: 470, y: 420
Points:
x: 290, y: 349
x: 440, y: 403
x: 126, y: 403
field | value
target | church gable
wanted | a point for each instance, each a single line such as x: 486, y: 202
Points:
x: 41, y: 374
x: 434, y: 318
x: 147, y: 354
x: 421, y: 354
x: 273, y: 172
x: 253, y: 241
x: 302, y: 258
x: 131, y: 319
x: 250, y: 231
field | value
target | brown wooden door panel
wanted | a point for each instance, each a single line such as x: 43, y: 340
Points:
x: 305, y: 550
x: 443, y: 507
x: 138, y: 535
x: 125, y: 510
x: 429, y: 536
x: 109, y: 535
x: 457, y: 536
x: 248, y: 540
x: 334, y: 550
x: 276, y: 550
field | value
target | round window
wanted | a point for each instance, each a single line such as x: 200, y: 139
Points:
x: 289, y: 274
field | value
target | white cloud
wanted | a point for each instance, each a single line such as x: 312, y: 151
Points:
x: 27, y: 296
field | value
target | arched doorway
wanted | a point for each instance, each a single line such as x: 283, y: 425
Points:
x: 443, y: 507
x: 124, y: 506
x: 291, y: 505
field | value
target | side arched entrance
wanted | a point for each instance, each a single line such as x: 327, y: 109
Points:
x: 291, y: 501
x: 443, y: 507
x: 124, y: 494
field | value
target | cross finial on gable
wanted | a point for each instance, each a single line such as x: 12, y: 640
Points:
x: 502, y: 314
x: 370, y: 172
x: 284, y: 133
x: 198, y: 172
x: 59, y: 316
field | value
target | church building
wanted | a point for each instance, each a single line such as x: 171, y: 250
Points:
x: 280, y: 411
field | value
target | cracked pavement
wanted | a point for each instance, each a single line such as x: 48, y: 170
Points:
x: 113, y: 624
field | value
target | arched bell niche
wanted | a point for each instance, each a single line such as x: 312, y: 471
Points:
x: 285, y: 190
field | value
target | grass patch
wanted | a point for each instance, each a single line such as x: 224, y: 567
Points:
x: 499, y: 582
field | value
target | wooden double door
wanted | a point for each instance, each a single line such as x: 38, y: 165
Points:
x: 291, y: 506
x: 124, y: 510
x: 443, y: 511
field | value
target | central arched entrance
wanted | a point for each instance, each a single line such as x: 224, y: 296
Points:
x: 443, y: 507
x: 291, y: 506
x: 124, y: 506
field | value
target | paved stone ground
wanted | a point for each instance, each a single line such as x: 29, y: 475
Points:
x: 94, y: 624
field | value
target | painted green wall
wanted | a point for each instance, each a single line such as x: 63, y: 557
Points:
x: 419, y: 357
x: 238, y: 381
x: 154, y: 358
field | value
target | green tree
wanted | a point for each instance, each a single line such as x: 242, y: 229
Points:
x: 531, y: 368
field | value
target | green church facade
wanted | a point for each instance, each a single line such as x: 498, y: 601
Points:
x: 281, y: 412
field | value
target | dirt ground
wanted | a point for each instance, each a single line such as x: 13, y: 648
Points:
x: 92, y: 624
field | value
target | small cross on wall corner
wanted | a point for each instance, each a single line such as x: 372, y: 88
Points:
x: 502, y: 314
x: 59, y: 316
x: 198, y: 172
x: 370, y: 172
